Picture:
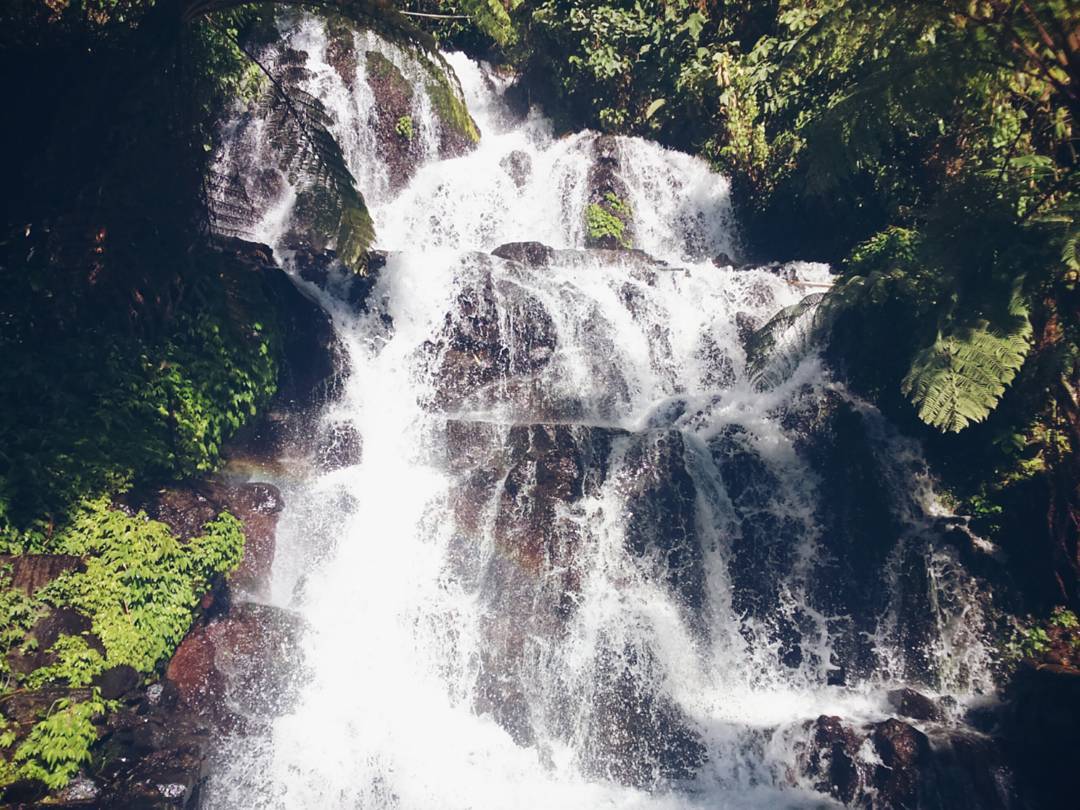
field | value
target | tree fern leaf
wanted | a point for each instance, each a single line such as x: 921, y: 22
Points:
x: 789, y: 328
x: 960, y: 378
x: 492, y: 18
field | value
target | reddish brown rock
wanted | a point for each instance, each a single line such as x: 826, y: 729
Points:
x: 187, y: 508
x: 244, y: 664
x: 31, y: 571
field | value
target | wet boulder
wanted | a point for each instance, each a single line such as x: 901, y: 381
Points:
x: 661, y: 514
x: 635, y: 734
x: 909, y: 703
x: 518, y: 165
x: 609, y: 222
x: 338, y: 445
x: 890, y: 765
x: 185, y: 509
x: 497, y: 334
x: 766, y: 541
x: 531, y: 254
x: 245, y: 664
x: 398, y: 144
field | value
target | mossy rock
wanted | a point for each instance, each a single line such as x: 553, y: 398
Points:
x: 609, y: 218
x: 459, y: 133
x: 393, y: 106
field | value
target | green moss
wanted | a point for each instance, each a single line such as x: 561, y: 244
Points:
x: 404, y: 127
x: 381, y: 70
x: 447, y: 104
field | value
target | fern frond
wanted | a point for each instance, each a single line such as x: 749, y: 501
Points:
x: 795, y: 328
x: 299, y: 128
x: 492, y: 18
x: 961, y: 377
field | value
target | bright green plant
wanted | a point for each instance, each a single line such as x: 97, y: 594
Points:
x: 404, y: 127
x: 141, y: 584
x: 608, y: 219
x: 58, y: 745
x: 1065, y: 619
x: 76, y: 664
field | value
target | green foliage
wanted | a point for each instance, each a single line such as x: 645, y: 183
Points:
x: 605, y: 64
x: 76, y: 664
x: 141, y: 583
x: 1064, y: 618
x: 961, y: 377
x: 404, y: 127
x: 607, y: 220
x: 57, y: 746
x: 92, y: 404
x: 492, y: 17
x: 140, y: 588
x: 18, y: 612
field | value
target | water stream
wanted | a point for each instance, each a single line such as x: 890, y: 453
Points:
x: 584, y: 562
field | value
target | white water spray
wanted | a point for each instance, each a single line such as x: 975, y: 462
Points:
x: 580, y: 562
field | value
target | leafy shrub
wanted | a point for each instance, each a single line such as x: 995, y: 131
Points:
x: 141, y: 584
x: 140, y: 588
x: 92, y: 404
x: 607, y: 220
x: 57, y: 746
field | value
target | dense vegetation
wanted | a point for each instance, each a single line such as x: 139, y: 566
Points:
x: 928, y: 150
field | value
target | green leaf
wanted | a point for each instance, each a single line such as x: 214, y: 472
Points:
x: 650, y: 111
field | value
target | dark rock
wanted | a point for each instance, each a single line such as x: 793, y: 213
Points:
x: 497, y: 333
x: 891, y: 765
x: 723, y: 260
x: 393, y: 102
x: 117, y: 682
x: 62, y: 621
x: 831, y: 758
x: 859, y: 530
x: 903, y: 751
x: 746, y: 325
x: 31, y: 571
x: 323, y: 269
x: 909, y: 703
x: 518, y: 165
x: 341, y: 52
x: 605, y: 184
x: 661, y: 524
x: 311, y: 365
x: 337, y: 446
x: 25, y: 708
x: 531, y: 254
x: 311, y: 362
x: 763, y: 549
x: 636, y: 735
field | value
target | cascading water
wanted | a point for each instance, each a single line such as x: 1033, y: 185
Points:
x: 583, y: 562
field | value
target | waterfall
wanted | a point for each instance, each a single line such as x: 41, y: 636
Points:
x: 584, y: 560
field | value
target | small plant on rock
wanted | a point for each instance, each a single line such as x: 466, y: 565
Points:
x: 606, y: 220
x: 404, y: 127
